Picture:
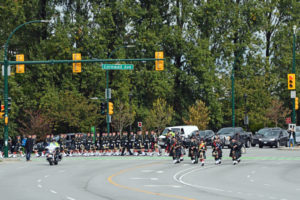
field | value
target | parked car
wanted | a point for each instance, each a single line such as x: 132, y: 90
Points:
x: 259, y: 134
x: 206, y: 135
x: 226, y: 134
x: 187, y: 131
x: 274, y: 137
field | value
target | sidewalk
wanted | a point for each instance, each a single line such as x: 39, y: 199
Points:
x: 297, y: 148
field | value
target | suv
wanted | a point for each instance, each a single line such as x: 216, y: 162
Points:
x: 206, y: 135
x: 226, y: 134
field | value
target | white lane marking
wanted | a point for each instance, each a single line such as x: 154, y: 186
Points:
x: 40, y: 186
x: 174, y: 186
x: 197, y: 186
x: 138, y: 178
x: 147, y: 170
x: 160, y: 172
x: 39, y: 180
x: 46, y: 176
x: 54, y: 192
x: 70, y: 198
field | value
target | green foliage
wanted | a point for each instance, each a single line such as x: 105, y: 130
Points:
x: 198, y: 115
x: 200, y: 39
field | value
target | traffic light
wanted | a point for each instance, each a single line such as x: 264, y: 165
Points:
x: 291, y: 82
x: 76, y: 66
x: 20, y: 68
x: 110, y: 108
x: 159, y: 64
x: 2, y: 113
x: 103, y: 108
x: 8, y: 103
x: 296, y: 103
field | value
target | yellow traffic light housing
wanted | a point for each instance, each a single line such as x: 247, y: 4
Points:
x: 159, y: 64
x: 291, y: 82
x: 20, y: 68
x: 76, y: 66
x: 296, y: 103
x: 2, y: 112
x: 110, y: 108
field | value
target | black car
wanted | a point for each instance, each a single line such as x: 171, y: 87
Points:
x: 274, y: 137
x: 259, y: 134
x: 226, y: 134
x: 206, y: 135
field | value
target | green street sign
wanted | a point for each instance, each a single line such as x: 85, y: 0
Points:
x: 117, y: 66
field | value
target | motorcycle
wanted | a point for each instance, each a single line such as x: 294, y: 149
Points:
x: 53, y: 155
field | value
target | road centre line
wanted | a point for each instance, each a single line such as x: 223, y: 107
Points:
x: 110, y: 180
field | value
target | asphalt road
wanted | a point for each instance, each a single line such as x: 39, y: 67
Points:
x: 266, y: 174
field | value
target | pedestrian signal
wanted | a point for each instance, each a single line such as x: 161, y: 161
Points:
x: 76, y: 66
x: 159, y: 64
x: 110, y: 108
x: 291, y: 82
x: 296, y: 103
x: 103, y: 108
x: 20, y: 68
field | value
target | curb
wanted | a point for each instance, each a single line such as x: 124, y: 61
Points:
x: 289, y: 149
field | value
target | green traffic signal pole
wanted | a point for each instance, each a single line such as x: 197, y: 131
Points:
x: 6, y: 64
x: 107, y: 83
x: 294, y: 71
x: 232, y: 89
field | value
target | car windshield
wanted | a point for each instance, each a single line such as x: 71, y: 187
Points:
x: 173, y: 129
x: 297, y: 133
x: 227, y: 131
x: 202, y: 133
x: 271, y: 133
x: 262, y: 131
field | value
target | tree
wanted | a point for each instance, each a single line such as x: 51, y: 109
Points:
x: 36, y: 123
x: 123, y: 115
x: 160, y: 115
x: 276, y: 113
x: 198, y: 115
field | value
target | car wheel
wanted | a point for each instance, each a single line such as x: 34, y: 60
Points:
x: 261, y: 146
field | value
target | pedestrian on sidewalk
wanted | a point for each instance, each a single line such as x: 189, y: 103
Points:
x: 292, y: 137
x: 28, y: 147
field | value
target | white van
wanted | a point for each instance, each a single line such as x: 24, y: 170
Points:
x: 187, y: 131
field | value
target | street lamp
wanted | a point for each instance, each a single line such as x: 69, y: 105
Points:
x: 6, y: 63
x: 107, y: 82
x: 294, y: 71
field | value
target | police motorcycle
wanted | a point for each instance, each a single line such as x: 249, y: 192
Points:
x: 53, y: 154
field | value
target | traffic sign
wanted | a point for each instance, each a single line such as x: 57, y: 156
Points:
x: 117, y: 66
x: 288, y: 120
x: 140, y: 124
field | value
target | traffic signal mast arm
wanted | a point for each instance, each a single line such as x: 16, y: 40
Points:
x: 77, y: 61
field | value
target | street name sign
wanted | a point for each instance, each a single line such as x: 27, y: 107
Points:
x: 117, y: 66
